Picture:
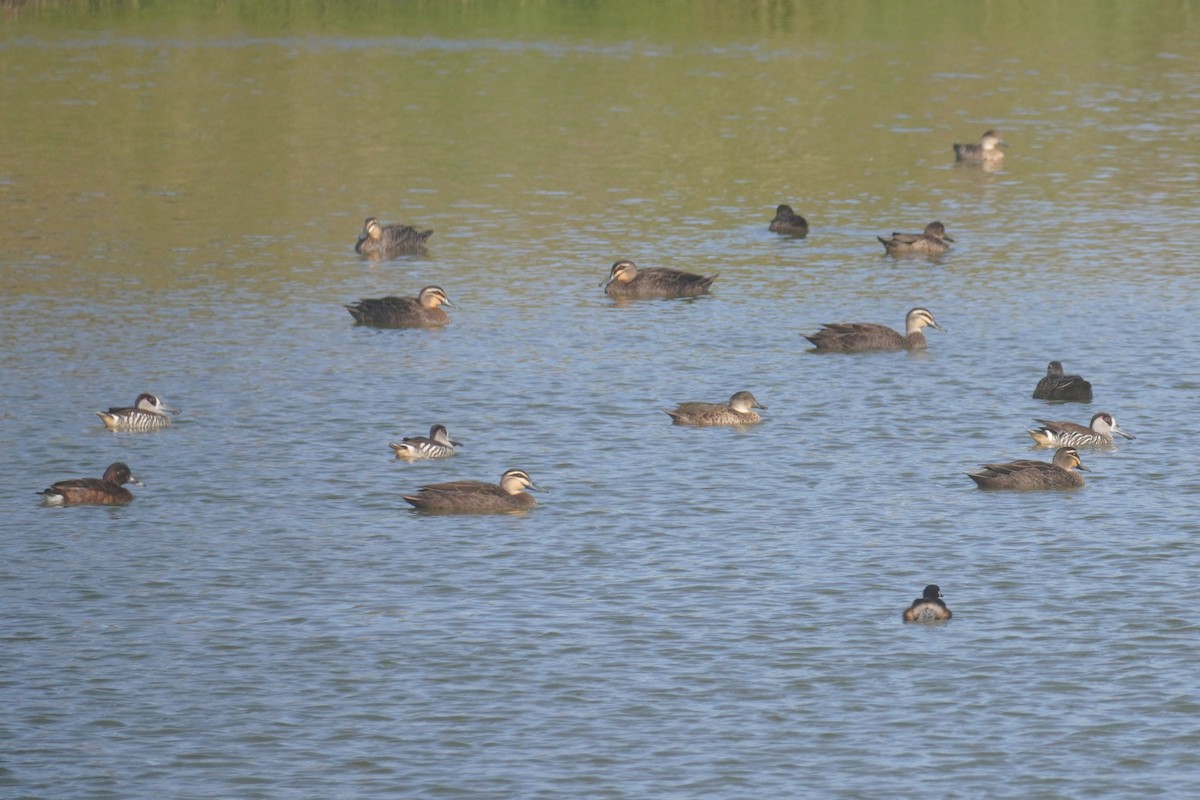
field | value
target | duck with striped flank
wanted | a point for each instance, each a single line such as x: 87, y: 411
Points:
x: 739, y: 411
x: 857, y: 337
x: 625, y: 280
x: 1062, y: 388
x: 1098, y: 433
x: 148, y: 413
x: 477, y: 497
x: 108, y: 490
x: 437, y: 445
x: 932, y: 242
x: 1029, y: 474
x: 385, y: 241
x: 929, y: 607
x: 988, y: 149
x: 422, y: 311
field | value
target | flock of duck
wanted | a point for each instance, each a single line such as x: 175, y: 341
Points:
x: 627, y: 281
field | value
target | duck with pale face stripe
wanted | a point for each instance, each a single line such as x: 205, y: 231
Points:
x: 1099, y: 432
x: 929, y: 607
x: 422, y: 311
x: 148, y: 413
x: 385, y: 241
x: 477, y: 497
x: 858, y: 337
x: 626, y: 280
x: 1028, y: 474
x: 437, y: 445
x: 988, y: 149
x: 739, y: 411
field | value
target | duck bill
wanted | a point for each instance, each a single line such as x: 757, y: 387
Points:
x: 947, y: 238
x: 1123, y: 433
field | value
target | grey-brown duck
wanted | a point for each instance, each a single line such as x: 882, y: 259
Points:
x: 1029, y: 474
x: 477, y: 497
x: 788, y: 221
x: 739, y: 411
x: 929, y: 607
x: 422, y: 311
x: 385, y: 241
x: 932, y: 242
x: 1062, y: 388
x: 106, y: 491
x: 627, y: 281
x: 988, y: 149
x: 857, y: 337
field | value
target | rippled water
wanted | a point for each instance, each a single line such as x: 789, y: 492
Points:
x: 689, y: 612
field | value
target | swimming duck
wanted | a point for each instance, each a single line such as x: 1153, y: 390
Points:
x: 856, y: 337
x: 385, y: 241
x: 737, y: 412
x: 987, y: 150
x: 1099, y: 432
x: 1064, y: 388
x: 932, y: 242
x: 789, y: 222
x: 929, y: 607
x: 437, y: 445
x: 626, y: 280
x: 106, y: 491
x: 148, y: 413
x: 477, y: 497
x: 422, y: 311
x: 1028, y: 474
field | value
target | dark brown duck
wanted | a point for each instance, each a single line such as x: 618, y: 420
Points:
x: 385, y: 241
x: 422, y: 311
x: 1028, y: 474
x: 626, y: 280
x: 857, y: 337
x: 788, y: 222
x: 1062, y: 388
x: 477, y: 497
x: 106, y: 491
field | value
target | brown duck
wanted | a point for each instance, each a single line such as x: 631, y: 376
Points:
x: 422, y: 311
x: 385, y: 241
x: 477, y: 497
x: 929, y: 607
x: 627, y: 281
x: 789, y: 222
x: 1029, y: 474
x: 739, y: 411
x: 856, y: 337
x: 930, y: 243
x: 106, y: 491
x: 1063, y: 388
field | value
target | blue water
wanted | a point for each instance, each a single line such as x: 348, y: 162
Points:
x: 688, y: 612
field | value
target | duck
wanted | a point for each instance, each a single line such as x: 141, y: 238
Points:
x: 1029, y: 474
x: 626, y: 280
x: 988, y: 149
x: 148, y: 413
x: 108, y: 490
x: 422, y: 311
x: 1063, y: 388
x: 789, y: 222
x: 739, y: 411
x: 932, y: 242
x: 1098, y: 433
x: 929, y: 607
x: 385, y: 241
x: 477, y: 497
x: 857, y: 337
x: 437, y: 445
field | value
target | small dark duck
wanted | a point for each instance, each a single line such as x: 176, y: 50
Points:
x: 739, y: 411
x: 929, y: 607
x: 988, y: 149
x: 932, y: 242
x: 1062, y: 388
x: 627, y: 281
x: 148, y: 413
x: 858, y: 337
x: 1099, y: 433
x: 422, y: 311
x: 106, y: 491
x: 385, y: 241
x: 1028, y: 474
x: 437, y: 445
x: 477, y: 497
x: 788, y: 222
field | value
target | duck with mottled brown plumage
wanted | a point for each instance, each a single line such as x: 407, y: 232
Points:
x: 386, y: 241
x: 932, y: 242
